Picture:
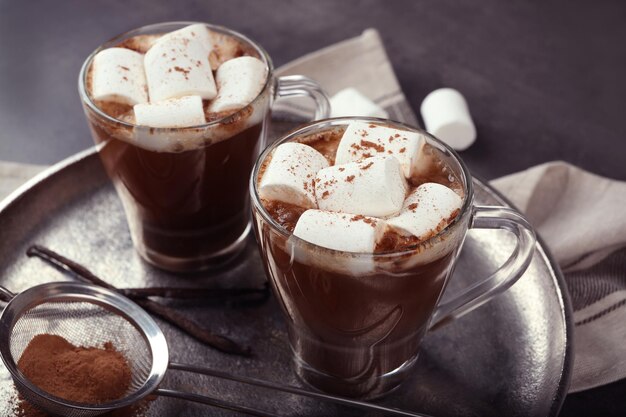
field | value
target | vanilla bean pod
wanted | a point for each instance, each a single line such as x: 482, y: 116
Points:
x: 168, y: 314
x: 193, y: 293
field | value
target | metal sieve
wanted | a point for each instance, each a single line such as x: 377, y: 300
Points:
x: 88, y: 315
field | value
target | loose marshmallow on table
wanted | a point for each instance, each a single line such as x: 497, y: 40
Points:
x: 197, y: 31
x: 178, y: 67
x: 447, y: 116
x: 176, y: 112
x: 239, y: 81
x: 118, y: 75
x: 426, y: 211
x: 340, y: 231
x: 289, y: 175
x: 372, y: 187
x: 363, y: 139
x: 350, y: 102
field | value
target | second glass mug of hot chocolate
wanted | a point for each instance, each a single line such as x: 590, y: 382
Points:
x: 356, y: 320
x: 184, y: 190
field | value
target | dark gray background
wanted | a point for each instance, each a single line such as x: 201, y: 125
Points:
x: 544, y: 80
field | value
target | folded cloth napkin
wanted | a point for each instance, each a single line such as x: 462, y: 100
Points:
x: 359, y: 62
x: 580, y: 215
x: 582, y: 218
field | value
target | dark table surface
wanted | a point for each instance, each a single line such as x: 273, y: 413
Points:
x: 544, y: 80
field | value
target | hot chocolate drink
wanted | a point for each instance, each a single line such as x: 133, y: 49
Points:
x: 365, y: 232
x: 178, y: 117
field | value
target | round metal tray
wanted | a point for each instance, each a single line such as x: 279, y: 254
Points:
x: 510, y: 357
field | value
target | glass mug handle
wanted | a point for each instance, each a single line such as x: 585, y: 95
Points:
x: 486, y: 217
x: 299, y: 85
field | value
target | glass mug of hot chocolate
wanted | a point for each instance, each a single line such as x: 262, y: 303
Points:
x: 178, y: 113
x: 359, y: 222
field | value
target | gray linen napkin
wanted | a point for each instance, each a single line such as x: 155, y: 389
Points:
x: 580, y: 215
x: 582, y: 218
x: 359, y: 62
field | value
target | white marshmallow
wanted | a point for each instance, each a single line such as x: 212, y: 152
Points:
x: 178, y: 67
x: 372, y: 187
x: 362, y: 140
x: 289, y: 175
x: 426, y: 211
x: 197, y: 31
x: 340, y: 231
x: 176, y: 112
x: 447, y: 116
x: 239, y: 81
x: 118, y: 75
x: 350, y: 102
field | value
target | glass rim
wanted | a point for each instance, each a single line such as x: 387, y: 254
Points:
x: 344, y: 121
x: 86, y: 98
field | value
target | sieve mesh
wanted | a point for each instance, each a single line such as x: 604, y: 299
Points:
x: 88, y: 321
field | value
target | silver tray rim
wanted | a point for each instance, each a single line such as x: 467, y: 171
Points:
x: 557, y: 274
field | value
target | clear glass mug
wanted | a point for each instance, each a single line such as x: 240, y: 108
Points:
x: 184, y: 190
x: 356, y: 320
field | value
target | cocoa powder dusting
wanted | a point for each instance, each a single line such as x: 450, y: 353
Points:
x: 372, y: 145
x: 366, y: 220
x: 392, y: 241
x: 285, y: 214
x: 324, y: 142
x: 86, y: 375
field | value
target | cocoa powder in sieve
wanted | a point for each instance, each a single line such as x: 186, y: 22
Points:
x: 81, y: 374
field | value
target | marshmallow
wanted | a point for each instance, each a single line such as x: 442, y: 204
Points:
x: 176, y: 112
x: 350, y: 102
x: 372, y: 187
x: 340, y: 231
x: 362, y: 140
x: 197, y: 31
x: 178, y: 67
x: 239, y: 81
x: 118, y: 75
x: 289, y: 175
x: 447, y: 116
x: 426, y: 211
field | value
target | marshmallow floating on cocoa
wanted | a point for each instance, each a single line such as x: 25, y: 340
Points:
x: 426, y: 211
x: 362, y: 140
x: 197, y: 32
x: 176, y: 112
x: 446, y: 115
x: 289, y: 175
x: 351, y: 102
x: 372, y: 187
x: 340, y: 231
x: 178, y: 67
x: 239, y: 82
x: 118, y: 75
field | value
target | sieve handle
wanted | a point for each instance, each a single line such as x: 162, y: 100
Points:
x: 292, y: 390
x: 203, y: 399
x: 5, y: 295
